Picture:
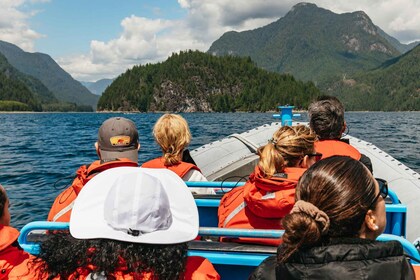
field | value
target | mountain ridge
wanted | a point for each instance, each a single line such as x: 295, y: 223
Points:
x: 311, y: 43
x: 45, y: 69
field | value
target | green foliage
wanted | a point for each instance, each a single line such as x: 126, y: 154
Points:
x: 393, y: 87
x: 223, y: 83
x: 66, y: 107
x: 311, y: 43
x: 43, y: 68
x: 10, y: 105
x: 14, y: 91
x: 19, y: 92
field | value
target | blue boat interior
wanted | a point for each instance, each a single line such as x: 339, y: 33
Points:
x: 233, y: 260
x: 396, y: 212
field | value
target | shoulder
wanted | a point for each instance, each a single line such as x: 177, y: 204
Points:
x: 266, y: 270
x: 199, y: 268
x: 156, y: 162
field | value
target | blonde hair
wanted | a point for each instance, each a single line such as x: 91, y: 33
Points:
x: 172, y: 133
x: 286, y: 149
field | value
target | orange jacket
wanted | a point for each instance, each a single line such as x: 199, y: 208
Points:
x: 261, y: 203
x: 330, y: 148
x: 61, y: 208
x: 197, y: 268
x: 181, y: 168
x: 14, y: 262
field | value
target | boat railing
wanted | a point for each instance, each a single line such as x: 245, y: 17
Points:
x: 396, y: 212
x: 231, y: 260
x: 40, y: 227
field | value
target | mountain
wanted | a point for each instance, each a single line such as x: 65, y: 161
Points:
x: 393, y: 86
x: 194, y: 81
x: 402, y: 48
x: 311, y: 43
x: 97, y: 87
x: 34, y: 86
x: 45, y: 69
x: 15, y: 95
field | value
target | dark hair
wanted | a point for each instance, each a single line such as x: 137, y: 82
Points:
x: 3, y: 199
x: 341, y: 187
x: 326, y: 117
x: 62, y: 255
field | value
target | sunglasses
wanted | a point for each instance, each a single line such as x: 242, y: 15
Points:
x: 383, y: 190
x: 318, y: 156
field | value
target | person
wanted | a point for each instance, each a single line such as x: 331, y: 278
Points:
x: 128, y: 223
x: 14, y: 262
x: 269, y: 193
x: 331, y: 230
x: 326, y: 119
x: 117, y: 145
x: 173, y: 135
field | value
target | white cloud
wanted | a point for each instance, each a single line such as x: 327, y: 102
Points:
x: 14, y: 26
x: 141, y: 41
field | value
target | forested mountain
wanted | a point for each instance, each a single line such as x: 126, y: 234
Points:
x: 45, y: 69
x: 311, y: 43
x: 402, y: 48
x: 97, y: 87
x: 15, y: 95
x: 21, y: 92
x: 393, y: 86
x: 195, y: 81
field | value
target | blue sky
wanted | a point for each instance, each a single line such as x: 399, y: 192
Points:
x: 99, y: 20
x: 94, y: 39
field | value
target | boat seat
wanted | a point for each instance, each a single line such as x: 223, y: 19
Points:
x: 396, y: 212
x: 231, y: 260
x: 217, y: 246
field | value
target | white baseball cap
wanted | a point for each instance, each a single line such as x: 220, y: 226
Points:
x: 139, y: 205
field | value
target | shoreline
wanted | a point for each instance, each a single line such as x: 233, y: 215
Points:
x: 168, y: 112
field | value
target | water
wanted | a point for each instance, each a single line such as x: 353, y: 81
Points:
x: 39, y: 153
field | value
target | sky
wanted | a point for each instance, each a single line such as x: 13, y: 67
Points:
x: 96, y: 39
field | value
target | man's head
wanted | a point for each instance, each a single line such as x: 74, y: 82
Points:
x: 326, y: 117
x: 118, y: 138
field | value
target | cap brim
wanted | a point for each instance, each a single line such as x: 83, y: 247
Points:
x: 87, y: 219
x: 132, y: 155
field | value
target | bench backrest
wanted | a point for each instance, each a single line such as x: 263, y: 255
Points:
x: 396, y: 212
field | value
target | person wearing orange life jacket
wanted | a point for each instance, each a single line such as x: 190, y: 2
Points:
x: 117, y: 145
x: 14, y: 262
x: 141, y: 219
x: 269, y: 193
x: 326, y: 119
x: 173, y: 135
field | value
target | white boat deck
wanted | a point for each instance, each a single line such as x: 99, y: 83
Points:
x: 235, y: 156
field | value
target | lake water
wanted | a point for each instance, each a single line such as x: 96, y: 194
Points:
x: 39, y: 153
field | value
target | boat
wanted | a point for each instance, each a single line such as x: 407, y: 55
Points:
x: 234, y: 157
x: 228, y: 162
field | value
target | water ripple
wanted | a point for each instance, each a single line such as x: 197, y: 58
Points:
x: 40, y: 153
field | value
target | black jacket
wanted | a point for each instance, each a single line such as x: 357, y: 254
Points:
x: 343, y: 259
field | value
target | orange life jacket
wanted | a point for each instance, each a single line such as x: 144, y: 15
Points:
x: 260, y: 204
x: 197, y: 268
x: 61, y: 208
x: 14, y: 262
x: 181, y: 168
x: 330, y: 148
